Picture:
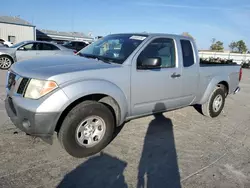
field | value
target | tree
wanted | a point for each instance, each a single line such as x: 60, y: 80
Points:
x: 213, y: 40
x: 233, y: 46
x: 187, y: 35
x: 239, y: 46
x: 217, y: 45
x: 242, y: 47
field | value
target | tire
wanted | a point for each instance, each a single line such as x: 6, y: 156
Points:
x: 69, y: 135
x: 5, y: 62
x: 210, y: 108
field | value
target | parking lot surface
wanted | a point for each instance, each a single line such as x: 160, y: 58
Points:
x: 181, y: 148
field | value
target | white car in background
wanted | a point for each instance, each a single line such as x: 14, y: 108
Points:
x: 28, y: 50
x: 6, y: 43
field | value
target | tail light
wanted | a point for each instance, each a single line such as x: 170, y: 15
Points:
x: 240, y: 74
x: 75, y: 51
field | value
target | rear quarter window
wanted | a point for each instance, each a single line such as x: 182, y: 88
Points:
x: 46, y: 46
x: 187, y: 53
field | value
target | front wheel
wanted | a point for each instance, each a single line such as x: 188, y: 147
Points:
x: 87, y: 129
x: 5, y: 62
x: 215, y: 104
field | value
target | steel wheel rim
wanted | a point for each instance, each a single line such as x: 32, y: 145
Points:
x: 90, y: 131
x: 5, y: 62
x: 217, y: 103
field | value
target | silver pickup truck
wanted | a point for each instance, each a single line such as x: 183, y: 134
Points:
x: 115, y: 79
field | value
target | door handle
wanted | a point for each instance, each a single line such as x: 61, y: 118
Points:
x: 174, y: 75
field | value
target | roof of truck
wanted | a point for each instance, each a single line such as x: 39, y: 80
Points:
x: 156, y: 35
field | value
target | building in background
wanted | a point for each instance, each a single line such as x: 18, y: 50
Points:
x: 60, y: 37
x: 15, y: 29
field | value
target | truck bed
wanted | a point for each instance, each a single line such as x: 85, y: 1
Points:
x: 208, y: 71
x: 217, y: 64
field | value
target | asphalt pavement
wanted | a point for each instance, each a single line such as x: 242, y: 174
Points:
x: 181, y: 148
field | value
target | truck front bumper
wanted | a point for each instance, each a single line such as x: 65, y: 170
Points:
x: 34, y: 123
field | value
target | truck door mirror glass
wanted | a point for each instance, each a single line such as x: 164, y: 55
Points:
x: 151, y: 63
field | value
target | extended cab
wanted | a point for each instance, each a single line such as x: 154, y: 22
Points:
x: 115, y: 79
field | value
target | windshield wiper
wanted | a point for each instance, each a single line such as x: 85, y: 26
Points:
x: 105, y: 60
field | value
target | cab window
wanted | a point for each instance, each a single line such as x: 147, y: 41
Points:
x: 187, y: 53
x: 163, y: 48
x: 46, y: 46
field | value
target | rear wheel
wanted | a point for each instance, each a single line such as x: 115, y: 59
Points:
x: 87, y: 129
x: 5, y: 62
x: 215, y: 104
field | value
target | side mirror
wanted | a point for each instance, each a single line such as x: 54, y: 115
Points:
x: 22, y: 48
x: 151, y: 63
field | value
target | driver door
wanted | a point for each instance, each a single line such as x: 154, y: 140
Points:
x: 27, y: 51
x: 158, y: 89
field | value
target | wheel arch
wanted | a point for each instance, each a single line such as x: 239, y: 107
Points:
x: 7, y: 55
x: 226, y: 85
x: 217, y: 81
x: 107, y: 100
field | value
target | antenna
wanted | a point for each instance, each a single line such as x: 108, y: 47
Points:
x: 72, y: 18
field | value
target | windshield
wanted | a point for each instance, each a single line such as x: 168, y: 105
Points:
x: 17, y: 45
x: 113, y: 48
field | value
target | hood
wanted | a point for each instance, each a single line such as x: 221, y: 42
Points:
x: 3, y: 47
x: 6, y: 49
x: 45, y: 67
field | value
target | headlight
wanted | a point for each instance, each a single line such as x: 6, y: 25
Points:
x: 39, y: 88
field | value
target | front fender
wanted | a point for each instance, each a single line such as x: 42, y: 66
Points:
x: 211, y: 86
x: 9, y: 55
x: 87, y: 87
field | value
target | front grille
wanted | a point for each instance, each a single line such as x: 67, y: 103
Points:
x: 22, y: 85
x: 11, y: 80
x: 16, y: 84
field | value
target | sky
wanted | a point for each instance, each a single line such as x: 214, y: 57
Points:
x: 224, y: 20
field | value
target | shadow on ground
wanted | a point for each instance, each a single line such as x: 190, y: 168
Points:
x: 158, y: 165
x: 98, y: 171
x: 198, y: 108
x: 157, y: 168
